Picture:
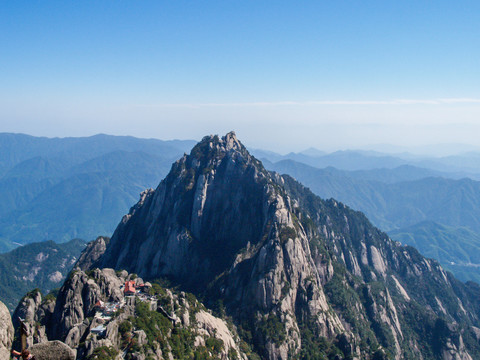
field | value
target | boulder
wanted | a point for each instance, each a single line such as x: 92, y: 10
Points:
x: 53, y: 350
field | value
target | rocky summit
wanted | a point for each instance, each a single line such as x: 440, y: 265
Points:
x: 285, y: 274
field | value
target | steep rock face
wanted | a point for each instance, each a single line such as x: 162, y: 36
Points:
x: 27, y: 307
x: 92, y: 253
x: 287, y: 264
x: 219, y: 218
x: 6, y: 332
x: 76, y: 300
x: 409, y: 301
x: 187, y: 219
x: 35, y: 311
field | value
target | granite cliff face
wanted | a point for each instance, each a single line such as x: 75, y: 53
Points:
x: 305, y: 277
x: 94, y: 250
x: 220, y: 220
x: 381, y: 289
x: 33, y: 310
x: 287, y: 274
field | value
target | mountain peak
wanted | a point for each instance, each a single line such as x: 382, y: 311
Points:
x: 231, y: 141
x: 219, y: 219
x: 203, y: 200
x: 286, y: 264
x: 214, y: 146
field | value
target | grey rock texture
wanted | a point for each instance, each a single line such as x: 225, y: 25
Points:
x: 92, y: 253
x: 214, y: 203
x: 6, y: 332
x: 27, y: 307
x: 76, y: 300
x: 35, y: 312
x: 52, y: 350
x: 281, y: 258
x: 74, y: 317
x: 297, y: 276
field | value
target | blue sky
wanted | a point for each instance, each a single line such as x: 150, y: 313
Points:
x: 284, y: 75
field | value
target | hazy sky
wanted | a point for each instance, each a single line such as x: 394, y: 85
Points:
x: 284, y: 75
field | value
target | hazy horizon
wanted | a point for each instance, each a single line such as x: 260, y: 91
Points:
x: 286, y: 77
x: 427, y: 150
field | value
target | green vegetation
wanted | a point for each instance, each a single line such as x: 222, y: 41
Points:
x: 90, y: 273
x: 160, y: 330
x: 436, y: 215
x: 273, y: 328
x: 52, y: 295
x: 247, y: 342
x: 213, y: 344
x: 286, y: 233
x: 456, y: 248
x: 339, y: 237
x: 153, y: 323
x: 202, y: 150
x: 315, y: 347
x: 103, y: 353
x: 16, y: 268
x: 348, y: 302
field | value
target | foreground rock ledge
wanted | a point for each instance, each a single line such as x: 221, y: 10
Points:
x: 53, y: 350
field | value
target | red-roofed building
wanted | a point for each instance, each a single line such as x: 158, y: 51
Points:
x: 99, y: 305
x: 129, y: 288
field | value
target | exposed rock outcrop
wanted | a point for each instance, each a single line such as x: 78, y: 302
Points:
x: 281, y: 258
x: 92, y: 253
x: 82, y: 327
x: 76, y: 300
x: 52, y: 350
x: 33, y: 311
x: 6, y: 332
x: 192, y: 228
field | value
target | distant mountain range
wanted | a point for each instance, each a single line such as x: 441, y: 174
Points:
x: 59, y: 189
x: 393, y: 205
x: 453, y: 166
x: 42, y: 265
x: 456, y: 248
